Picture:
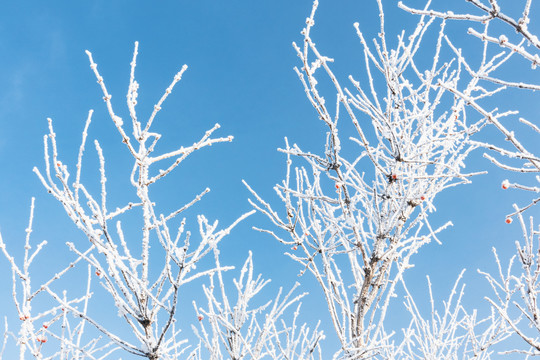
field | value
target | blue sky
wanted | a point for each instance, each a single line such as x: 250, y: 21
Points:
x: 240, y: 75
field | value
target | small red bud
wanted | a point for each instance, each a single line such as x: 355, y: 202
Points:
x: 295, y: 247
x: 45, y: 326
x: 200, y: 317
x: 505, y: 184
x: 422, y: 198
x: 508, y: 220
x: 337, y: 186
x: 394, y: 177
x: 98, y: 273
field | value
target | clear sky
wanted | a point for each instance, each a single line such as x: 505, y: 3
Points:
x: 241, y: 76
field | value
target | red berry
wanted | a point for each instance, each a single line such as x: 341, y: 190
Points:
x: 45, y: 326
x: 508, y: 220
x: 394, y: 177
x: 98, y: 273
x: 295, y: 247
x: 41, y: 339
x: 200, y: 317
x: 337, y: 186
x: 422, y: 198
x: 505, y: 184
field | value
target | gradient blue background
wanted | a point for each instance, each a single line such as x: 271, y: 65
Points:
x: 240, y: 75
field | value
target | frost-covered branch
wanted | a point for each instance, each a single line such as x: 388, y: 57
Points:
x: 354, y: 221
x: 145, y: 292
x: 515, y: 291
x: 452, y: 333
x: 241, y: 331
x: 511, y: 38
x: 51, y: 332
